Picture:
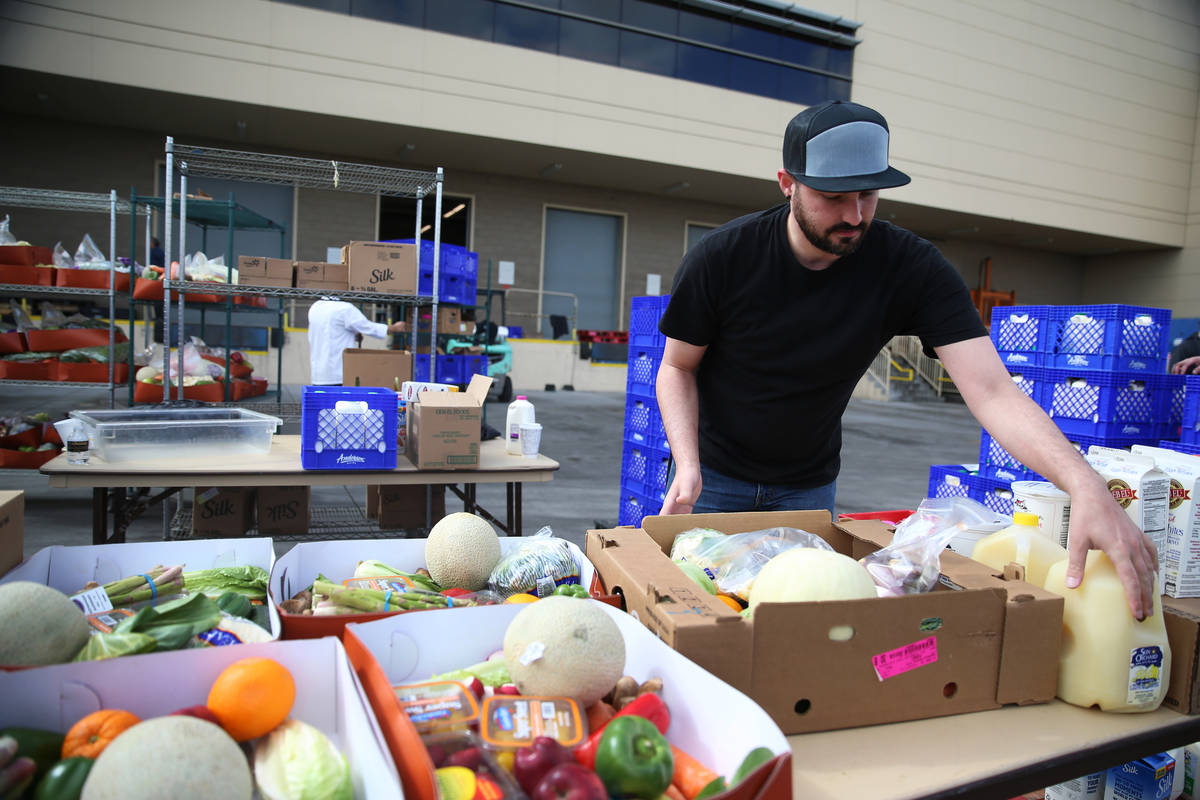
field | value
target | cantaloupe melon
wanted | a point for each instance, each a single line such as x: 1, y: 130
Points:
x: 39, y: 625
x: 564, y: 646
x: 180, y: 757
x: 461, y: 551
x: 804, y: 574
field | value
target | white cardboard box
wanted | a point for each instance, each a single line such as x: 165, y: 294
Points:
x: 69, y: 568
x: 328, y: 696
x: 709, y: 718
x: 298, y: 567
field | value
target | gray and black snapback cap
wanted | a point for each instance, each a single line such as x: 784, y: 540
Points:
x: 840, y: 147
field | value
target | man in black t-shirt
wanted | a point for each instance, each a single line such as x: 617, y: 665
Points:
x: 776, y: 315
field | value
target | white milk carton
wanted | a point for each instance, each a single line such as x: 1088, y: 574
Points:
x: 1180, y: 558
x: 1089, y: 787
x: 1139, y: 487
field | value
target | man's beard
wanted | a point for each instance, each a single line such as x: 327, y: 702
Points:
x: 823, y: 240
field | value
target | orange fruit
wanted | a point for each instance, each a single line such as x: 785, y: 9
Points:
x: 251, y: 697
x: 521, y: 598
x: 729, y: 601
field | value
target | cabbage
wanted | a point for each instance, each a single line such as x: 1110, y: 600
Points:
x: 298, y: 762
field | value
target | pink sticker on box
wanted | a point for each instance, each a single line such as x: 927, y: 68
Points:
x: 904, y: 659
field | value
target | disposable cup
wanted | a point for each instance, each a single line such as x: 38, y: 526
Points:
x: 531, y: 438
x: 1051, y: 504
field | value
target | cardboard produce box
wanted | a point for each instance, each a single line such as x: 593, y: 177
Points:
x: 381, y: 267
x: 321, y: 275
x: 68, y: 569
x: 388, y: 369
x: 449, y: 320
x: 710, y: 720
x: 282, y: 510
x: 444, y: 427
x: 222, y: 511
x: 975, y: 643
x: 262, y: 271
x: 296, y: 569
x: 1182, y: 618
x: 12, y: 529
x: 328, y: 697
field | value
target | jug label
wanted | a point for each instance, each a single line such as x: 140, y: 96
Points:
x: 1145, y: 674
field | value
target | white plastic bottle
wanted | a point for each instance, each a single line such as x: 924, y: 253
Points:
x: 1108, y: 658
x: 519, y: 410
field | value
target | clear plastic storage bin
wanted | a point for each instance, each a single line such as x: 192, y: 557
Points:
x: 181, y: 433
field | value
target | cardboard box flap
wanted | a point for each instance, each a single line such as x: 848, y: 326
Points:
x: 1182, y: 618
x: 477, y: 389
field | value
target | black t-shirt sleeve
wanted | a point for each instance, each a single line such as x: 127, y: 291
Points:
x: 691, y: 314
x: 943, y: 313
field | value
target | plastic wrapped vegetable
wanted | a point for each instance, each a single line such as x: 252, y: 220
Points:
x: 97, y: 354
x: 537, y: 566
x: 734, y: 561
x: 690, y: 541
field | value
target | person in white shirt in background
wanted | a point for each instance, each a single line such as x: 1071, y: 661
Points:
x: 333, y: 326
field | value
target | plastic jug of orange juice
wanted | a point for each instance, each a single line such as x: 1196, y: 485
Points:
x: 1023, y: 543
x: 1108, y: 658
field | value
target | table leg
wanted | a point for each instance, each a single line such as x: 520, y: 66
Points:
x: 120, y: 523
x: 518, y: 530
x: 99, y: 516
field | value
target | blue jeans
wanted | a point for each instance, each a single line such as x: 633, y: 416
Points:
x: 721, y: 493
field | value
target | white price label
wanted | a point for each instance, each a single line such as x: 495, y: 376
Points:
x: 93, y: 601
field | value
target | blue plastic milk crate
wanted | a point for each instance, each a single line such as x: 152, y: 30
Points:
x: 643, y: 425
x: 996, y: 462
x: 645, y: 465
x: 348, y: 427
x: 995, y: 493
x: 642, y: 366
x: 644, y: 314
x: 1181, y: 447
x: 949, y: 480
x: 1110, y: 337
x: 1021, y: 334
x: 1083, y: 443
x: 1190, y: 416
x: 1128, y: 405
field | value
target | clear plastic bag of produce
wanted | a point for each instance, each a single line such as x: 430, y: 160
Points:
x: 537, y: 566
x: 62, y: 258
x: 52, y: 317
x: 96, y: 354
x: 911, y: 564
x: 21, y: 318
x: 89, y: 256
x: 6, y: 237
x: 733, y: 561
x: 199, y: 267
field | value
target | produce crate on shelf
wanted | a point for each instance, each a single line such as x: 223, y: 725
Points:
x: 348, y: 427
x: 1111, y: 337
x: 1190, y: 414
x: 1128, y: 405
x: 1021, y: 334
x: 643, y: 321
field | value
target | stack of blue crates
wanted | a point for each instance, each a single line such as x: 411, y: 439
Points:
x: 646, y: 457
x: 456, y: 369
x: 458, y: 272
x: 1098, y: 371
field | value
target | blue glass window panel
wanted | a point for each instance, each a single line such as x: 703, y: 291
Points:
x: 705, y: 29
x: 805, y: 54
x: 543, y: 3
x: 798, y: 86
x: 702, y: 65
x: 471, y: 18
x: 841, y: 61
x: 647, y: 53
x: 401, y: 12
x: 756, y: 41
x: 523, y: 27
x: 754, y: 76
x: 588, y: 40
x: 599, y: 9
x: 650, y: 16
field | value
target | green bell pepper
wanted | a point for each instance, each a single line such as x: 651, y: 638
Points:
x: 572, y: 590
x: 65, y: 779
x: 633, y: 759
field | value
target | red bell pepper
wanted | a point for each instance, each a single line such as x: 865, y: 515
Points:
x: 649, y: 706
